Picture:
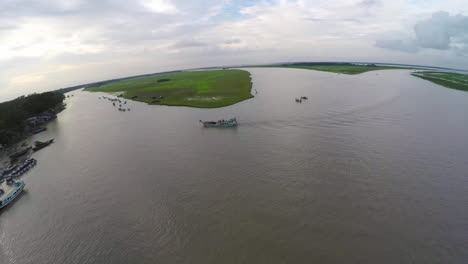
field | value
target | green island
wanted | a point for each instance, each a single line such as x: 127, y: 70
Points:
x: 448, y: 79
x: 344, y: 68
x: 203, y: 89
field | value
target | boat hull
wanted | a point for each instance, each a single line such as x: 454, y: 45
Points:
x: 221, y: 123
x: 210, y: 124
x: 13, y: 195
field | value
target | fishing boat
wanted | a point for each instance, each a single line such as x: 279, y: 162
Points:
x: 221, y: 123
x: 10, y: 193
x: 39, y: 145
x: 20, y: 153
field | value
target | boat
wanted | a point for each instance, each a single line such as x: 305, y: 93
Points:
x: 221, y: 123
x: 20, y: 153
x: 9, y: 169
x: 11, y: 193
x: 304, y: 98
x: 25, y: 167
x: 39, y: 130
x: 39, y: 145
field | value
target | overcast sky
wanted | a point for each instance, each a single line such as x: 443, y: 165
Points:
x: 49, y: 44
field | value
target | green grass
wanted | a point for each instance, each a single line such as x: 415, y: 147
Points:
x: 204, y: 89
x: 451, y: 80
x: 344, y: 68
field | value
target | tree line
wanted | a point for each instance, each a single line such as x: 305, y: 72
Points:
x: 13, y: 113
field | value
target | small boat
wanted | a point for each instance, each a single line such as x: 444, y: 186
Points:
x: 39, y: 145
x: 221, y: 123
x: 298, y: 100
x: 14, y: 191
x: 39, y: 130
x: 20, y: 153
x: 304, y: 98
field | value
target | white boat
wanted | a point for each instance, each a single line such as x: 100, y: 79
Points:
x: 10, y: 193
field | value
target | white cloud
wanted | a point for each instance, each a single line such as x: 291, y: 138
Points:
x: 441, y: 32
x: 160, y: 6
x: 79, y: 41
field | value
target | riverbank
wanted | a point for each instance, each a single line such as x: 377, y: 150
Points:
x: 27, y: 115
x: 450, y: 80
x: 202, y: 89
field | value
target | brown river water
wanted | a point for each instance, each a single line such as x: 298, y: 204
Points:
x: 372, y: 168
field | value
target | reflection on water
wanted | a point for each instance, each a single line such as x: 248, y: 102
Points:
x: 370, y: 169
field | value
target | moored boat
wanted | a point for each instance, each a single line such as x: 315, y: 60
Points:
x: 11, y: 193
x: 9, y: 169
x: 20, y: 153
x: 221, y: 123
x: 23, y: 168
x: 39, y: 145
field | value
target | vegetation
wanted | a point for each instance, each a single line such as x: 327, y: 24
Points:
x: 204, y: 89
x: 345, y: 68
x: 13, y: 113
x: 447, y: 79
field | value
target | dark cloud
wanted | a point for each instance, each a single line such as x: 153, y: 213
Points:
x: 441, y: 32
x: 189, y: 44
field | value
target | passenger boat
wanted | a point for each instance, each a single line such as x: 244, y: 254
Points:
x: 20, y: 153
x: 10, y: 169
x: 221, y: 123
x: 25, y: 167
x: 11, y: 193
x: 39, y: 145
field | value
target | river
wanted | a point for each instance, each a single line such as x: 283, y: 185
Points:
x: 372, y: 168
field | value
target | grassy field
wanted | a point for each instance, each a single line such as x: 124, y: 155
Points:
x: 450, y: 80
x: 344, y: 68
x: 204, y: 89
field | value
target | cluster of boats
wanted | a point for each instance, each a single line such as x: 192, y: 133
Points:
x: 116, y: 101
x: 299, y: 100
x: 25, y: 150
x: 12, y: 189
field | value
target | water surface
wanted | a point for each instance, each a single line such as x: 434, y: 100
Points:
x: 370, y: 169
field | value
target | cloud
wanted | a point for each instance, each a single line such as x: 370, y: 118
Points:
x: 398, y: 44
x: 440, y: 32
x: 160, y: 6
x: 104, y: 39
x: 189, y: 44
x: 370, y: 3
